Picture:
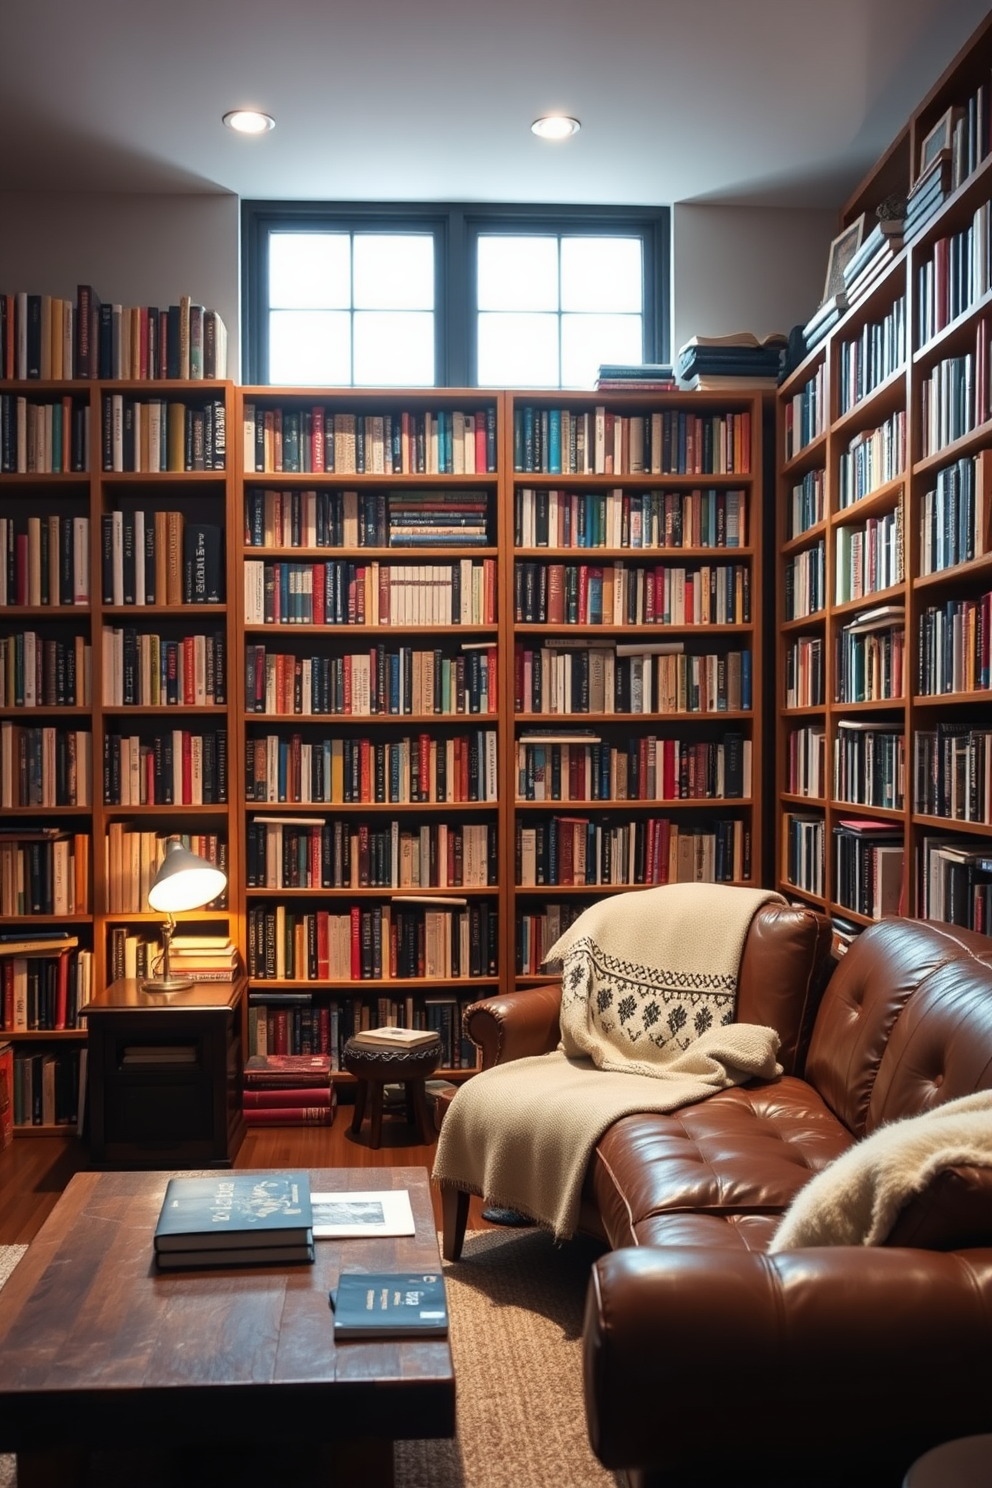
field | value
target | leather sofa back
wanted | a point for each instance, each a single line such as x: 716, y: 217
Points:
x: 783, y: 971
x: 905, y: 1023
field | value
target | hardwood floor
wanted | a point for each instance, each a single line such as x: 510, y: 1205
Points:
x: 35, y: 1170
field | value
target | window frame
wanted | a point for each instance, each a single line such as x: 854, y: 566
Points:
x: 455, y: 227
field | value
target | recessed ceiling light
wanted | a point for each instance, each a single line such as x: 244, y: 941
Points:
x: 555, y: 127
x: 249, y: 121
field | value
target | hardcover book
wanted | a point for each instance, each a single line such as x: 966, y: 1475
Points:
x: 235, y: 1211
x: 390, y: 1305
x: 394, y: 1038
x: 249, y: 1255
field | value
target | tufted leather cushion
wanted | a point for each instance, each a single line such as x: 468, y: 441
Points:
x: 951, y: 1213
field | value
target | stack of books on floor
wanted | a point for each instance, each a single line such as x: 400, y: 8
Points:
x: 235, y: 1219
x: 644, y: 377
x: 727, y: 363
x: 928, y: 194
x: 880, y: 247
x: 205, y: 958
x: 289, y: 1090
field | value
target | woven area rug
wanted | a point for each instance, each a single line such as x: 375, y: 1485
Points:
x: 516, y: 1302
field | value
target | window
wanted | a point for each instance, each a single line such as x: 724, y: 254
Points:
x: 403, y: 296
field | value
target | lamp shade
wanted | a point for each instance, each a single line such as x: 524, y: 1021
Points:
x: 184, y: 880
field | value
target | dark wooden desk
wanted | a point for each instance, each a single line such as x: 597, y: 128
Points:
x: 101, y: 1351
x: 152, y: 1108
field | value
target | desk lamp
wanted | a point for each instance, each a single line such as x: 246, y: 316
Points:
x: 183, y: 881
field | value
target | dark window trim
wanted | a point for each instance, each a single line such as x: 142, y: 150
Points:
x: 455, y: 226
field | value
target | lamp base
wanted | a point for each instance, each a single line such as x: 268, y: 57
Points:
x: 167, y: 984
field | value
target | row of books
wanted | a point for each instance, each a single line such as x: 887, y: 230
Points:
x: 869, y: 764
x: 873, y: 457
x: 805, y: 760
x: 377, y: 682
x: 374, y: 942
x: 629, y: 519
x: 561, y: 441
x: 393, y: 855
x: 804, y: 582
x: 558, y: 681
x: 805, y: 415
x: 956, y: 515
x: 537, y: 931
x: 874, y: 255
x: 160, y: 558
x: 132, y: 857
x: 173, y: 768
x: 46, y: 1088
x: 46, y: 560
x: 804, y: 680
x: 339, y: 592
x: 873, y: 355
x: 955, y: 277
x: 807, y: 506
x: 955, y: 882
x: 365, y: 519
x: 42, y: 992
x: 293, y: 440
x: 615, y: 594
x: 415, y: 769
x: 44, y: 766
x: 143, y: 669
x: 955, y: 398
x: 46, y: 337
x: 804, y: 839
x: 151, y: 435
x: 870, y: 557
x: 308, y: 1024
x: 44, y: 437
x: 645, y: 769
x: 43, y: 671
x: 566, y: 850
x: 870, y: 665
x: 955, y: 654
x: 868, y: 867
x: 44, y: 871
x: 952, y: 772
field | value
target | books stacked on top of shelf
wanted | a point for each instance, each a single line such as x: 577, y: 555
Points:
x: 822, y: 322
x: 289, y: 1090
x: 646, y: 377
x: 438, y: 518
x: 390, y: 1305
x: 880, y: 247
x: 206, y: 958
x: 727, y: 363
x: 928, y: 194
x: 235, y: 1219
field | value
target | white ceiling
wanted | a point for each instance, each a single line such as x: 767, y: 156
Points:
x: 774, y: 102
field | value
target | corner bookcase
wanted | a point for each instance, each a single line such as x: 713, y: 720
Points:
x: 884, y: 544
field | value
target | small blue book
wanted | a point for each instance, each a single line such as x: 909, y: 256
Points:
x: 392, y: 1304
x: 235, y: 1211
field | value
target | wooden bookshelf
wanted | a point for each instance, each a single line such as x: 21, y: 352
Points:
x: 910, y: 538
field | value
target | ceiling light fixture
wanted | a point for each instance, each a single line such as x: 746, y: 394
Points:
x: 555, y: 127
x: 249, y: 121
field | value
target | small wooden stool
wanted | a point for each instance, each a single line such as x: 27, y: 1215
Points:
x: 375, y: 1068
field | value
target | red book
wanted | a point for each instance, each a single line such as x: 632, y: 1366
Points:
x: 356, y: 943
x: 319, y: 593
x: 304, y: 1095
x: 323, y: 947
x: 290, y: 1116
x: 62, y: 991
x: 279, y: 1030
x: 384, y: 609
x: 365, y: 769
x: 481, y: 452
x: 6, y: 1094
x: 424, y: 772
x: 293, y: 1070
x: 187, y: 767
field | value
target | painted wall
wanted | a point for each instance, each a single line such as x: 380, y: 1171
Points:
x: 759, y: 269
x: 734, y: 268
x: 134, y: 250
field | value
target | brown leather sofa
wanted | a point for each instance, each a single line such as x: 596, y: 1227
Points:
x: 709, y: 1359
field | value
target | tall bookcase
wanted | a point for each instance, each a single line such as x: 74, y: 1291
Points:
x: 884, y: 569
x: 115, y: 713
x: 632, y: 587
x: 372, y: 738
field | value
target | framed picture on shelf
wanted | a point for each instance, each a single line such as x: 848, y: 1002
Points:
x: 937, y: 140
x: 842, y: 250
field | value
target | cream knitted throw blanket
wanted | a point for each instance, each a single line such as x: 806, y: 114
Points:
x: 856, y: 1198
x: 522, y: 1133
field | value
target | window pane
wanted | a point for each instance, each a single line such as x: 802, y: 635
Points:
x: 517, y: 273
x: 309, y: 346
x: 394, y: 272
x: 394, y: 348
x: 587, y: 340
x: 518, y: 351
x: 601, y: 274
x: 309, y: 271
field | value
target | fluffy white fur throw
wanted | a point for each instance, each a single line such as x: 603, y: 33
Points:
x: 856, y: 1198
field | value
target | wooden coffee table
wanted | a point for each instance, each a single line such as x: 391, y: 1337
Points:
x: 100, y: 1351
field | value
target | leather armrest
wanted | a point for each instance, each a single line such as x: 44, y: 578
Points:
x: 876, y: 1351
x: 513, y: 1027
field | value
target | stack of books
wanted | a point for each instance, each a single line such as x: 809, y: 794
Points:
x: 825, y: 318
x: 928, y: 194
x: 432, y: 518
x: 726, y: 363
x: 880, y: 247
x: 289, y: 1090
x: 645, y: 377
x: 206, y: 958
x: 389, y: 1037
x: 235, y: 1219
